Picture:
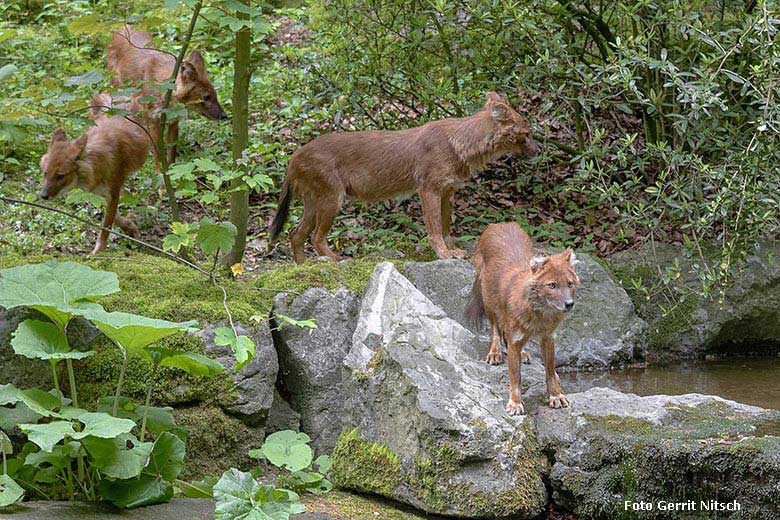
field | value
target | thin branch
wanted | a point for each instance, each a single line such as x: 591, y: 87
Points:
x: 99, y: 227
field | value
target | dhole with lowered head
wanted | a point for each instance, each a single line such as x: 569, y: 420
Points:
x: 523, y: 294
x: 434, y: 159
x: 132, y: 57
x: 99, y: 161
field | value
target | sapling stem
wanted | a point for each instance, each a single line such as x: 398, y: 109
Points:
x: 121, y: 380
x: 72, y: 380
x: 53, y: 364
x: 146, y: 403
x: 5, y: 464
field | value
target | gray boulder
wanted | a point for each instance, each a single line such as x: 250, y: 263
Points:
x: 311, y: 359
x: 602, y: 331
x: 254, y: 384
x: 447, y: 283
x: 23, y: 372
x: 282, y: 416
x: 424, y: 416
x: 744, y: 319
x: 611, y: 447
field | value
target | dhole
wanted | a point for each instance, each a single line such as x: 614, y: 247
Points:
x: 434, y: 159
x: 132, y: 57
x: 524, y: 294
x: 99, y: 161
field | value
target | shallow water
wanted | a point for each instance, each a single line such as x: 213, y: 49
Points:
x: 753, y: 381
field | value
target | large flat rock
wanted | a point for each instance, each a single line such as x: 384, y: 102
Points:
x: 177, y: 509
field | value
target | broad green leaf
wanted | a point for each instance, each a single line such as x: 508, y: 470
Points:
x: 5, y: 444
x: 167, y: 457
x: 240, y: 497
x: 40, y: 340
x: 45, y: 436
x: 193, y: 363
x: 207, y: 165
x: 40, y: 402
x: 158, y: 419
x: 98, y: 424
x: 122, y: 457
x: 215, y: 237
x: 77, y: 196
x: 153, y: 486
x: 88, y: 78
x: 324, y: 464
x: 145, y: 490
x: 56, y: 289
x: 288, y: 449
x: 201, y: 488
x: 135, y: 332
x: 10, y: 491
x: 243, y: 347
x: 60, y: 457
x: 6, y: 71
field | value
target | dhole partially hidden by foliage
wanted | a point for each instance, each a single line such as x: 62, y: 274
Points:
x: 434, y: 159
x: 99, y: 161
x: 132, y: 57
x: 521, y: 294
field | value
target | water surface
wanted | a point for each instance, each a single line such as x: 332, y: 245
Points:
x: 753, y: 381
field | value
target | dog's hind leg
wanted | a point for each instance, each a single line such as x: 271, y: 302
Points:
x: 303, y: 230
x: 327, y: 209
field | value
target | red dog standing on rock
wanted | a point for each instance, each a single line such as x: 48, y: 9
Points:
x: 521, y: 293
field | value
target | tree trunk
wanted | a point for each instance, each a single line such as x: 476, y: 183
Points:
x: 239, y: 197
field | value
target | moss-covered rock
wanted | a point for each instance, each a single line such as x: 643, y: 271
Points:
x: 610, y: 448
x: 666, y: 286
x: 425, y: 415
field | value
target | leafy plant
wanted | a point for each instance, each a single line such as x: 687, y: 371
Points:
x: 240, y: 497
x: 290, y: 452
x: 93, y: 454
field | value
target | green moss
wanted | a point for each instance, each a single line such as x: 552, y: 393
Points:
x: 364, y: 466
x: 620, y: 424
x: 96, y: 376
x: 348, y: 506
x: 663, y: 331
x: 351, y: 274
x: 216, y: 441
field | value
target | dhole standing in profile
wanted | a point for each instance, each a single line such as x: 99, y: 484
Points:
x: 132, y: 57
x: 99, y: 161
x: 521, y: 294
x: 434, y: 159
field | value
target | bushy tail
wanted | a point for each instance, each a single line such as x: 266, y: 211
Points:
x: 285, y: 197
x: 475, y: 310
x: 99, y: 105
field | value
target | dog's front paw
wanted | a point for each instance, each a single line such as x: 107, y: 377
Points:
x: 458, y: 253
x: 515, y: 408
x: 525, y: 357
x: 98, y: 248
x: 494, y: 358
x: 559, y: 401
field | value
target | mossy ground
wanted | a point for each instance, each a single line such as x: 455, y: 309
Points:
x: 349, y: 506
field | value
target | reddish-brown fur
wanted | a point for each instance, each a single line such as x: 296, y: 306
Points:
x: 434, y: 159
x: 521, y: 294
x: 132, y: 57
x: 99, y: 161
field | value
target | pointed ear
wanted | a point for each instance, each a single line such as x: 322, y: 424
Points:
x: 80, y: 144
x: 196, y: 60
x: 570, y: 257
x: 59, y: 135
x: 188, y: 73
x: 498, y: 111
x: 537, y: 263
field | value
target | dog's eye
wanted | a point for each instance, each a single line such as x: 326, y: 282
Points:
x: 552, y: 285
x: 59, y: 176
x: 571, y: 284
x: 207, y: 97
